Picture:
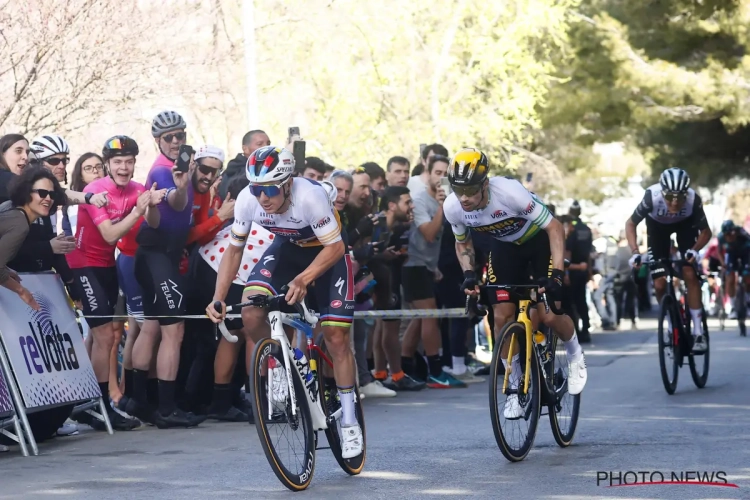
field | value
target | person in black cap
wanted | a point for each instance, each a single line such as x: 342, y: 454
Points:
x: 578, y: 251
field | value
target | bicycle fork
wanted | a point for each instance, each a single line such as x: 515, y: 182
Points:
x: 314, y: 403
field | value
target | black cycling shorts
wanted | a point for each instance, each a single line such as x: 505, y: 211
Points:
x: 714, y: 266
x: 332, y: 294
x: 419, y: 283
x: 98, y: 289
x: 738, y: 261
x: 163, y: 286
x: 660, y: 242
x: 510, y: 264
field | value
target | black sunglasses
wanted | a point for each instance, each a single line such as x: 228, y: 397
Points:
x: 56, y: 161
x: 43, y: 193
x: 179, y: 135
x: 206, y: 170
x: 675, y: 196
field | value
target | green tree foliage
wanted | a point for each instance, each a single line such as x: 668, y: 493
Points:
x: 670, y: 78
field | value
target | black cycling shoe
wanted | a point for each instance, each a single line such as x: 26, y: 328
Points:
x: 233, y: 414
x: 118, y: 421
x: 177, y: 418
x: 132, y: 407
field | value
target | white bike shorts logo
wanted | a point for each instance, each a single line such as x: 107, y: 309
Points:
x: 169, y: 287
x: 89, y: 290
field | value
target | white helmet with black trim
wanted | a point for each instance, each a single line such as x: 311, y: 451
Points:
x: 45, y: 146
x: 209, y: 151
x: 674, y: 180
x: 167, y: 121
x: 269, y: 164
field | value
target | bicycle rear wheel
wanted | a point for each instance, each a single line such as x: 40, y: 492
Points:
x: 668, y: 344
x: 698, y: 367
x: 331, y: 404
x: 514, y: 442
x: 563, y: 407
x: 274, y: 421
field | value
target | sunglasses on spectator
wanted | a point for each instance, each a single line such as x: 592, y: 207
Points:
x: 56, y: 161
x: 43, y: 193
x: 180, y: 136
x: 674, y: 196
x: 206, y: 170
x: 269, y: 190
x: 466, y: 190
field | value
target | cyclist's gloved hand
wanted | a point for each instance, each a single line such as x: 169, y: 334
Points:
x: 363, y: 253
x: 553, y: 285
x: 691, y: 255
x: 635, y: 260
x: 470, y: 286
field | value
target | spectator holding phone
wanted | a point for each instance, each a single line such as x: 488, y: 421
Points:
x: 420, y: 176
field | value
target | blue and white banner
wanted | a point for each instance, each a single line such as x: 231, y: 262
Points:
x: 45, y: 348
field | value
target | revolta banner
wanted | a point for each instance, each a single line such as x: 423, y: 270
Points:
x: 45, y: 347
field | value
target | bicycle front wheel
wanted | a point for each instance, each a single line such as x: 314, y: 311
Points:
x: 515, y: 412
x: 331, y: 405
x: 669, y: 348
x: 698, y: 366
x: 741, y: 307
x: 287, y: 440
x: 563, y: 407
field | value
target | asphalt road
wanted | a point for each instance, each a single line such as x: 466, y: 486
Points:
x: 439, y: 443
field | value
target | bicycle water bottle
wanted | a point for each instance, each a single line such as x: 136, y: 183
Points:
x: 302, y: 365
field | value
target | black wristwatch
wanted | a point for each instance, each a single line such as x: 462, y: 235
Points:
x: 87, y: 198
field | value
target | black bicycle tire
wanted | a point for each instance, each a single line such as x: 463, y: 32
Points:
x: 668, y: 302
x: 497, y: 371
x: 741, y: 308
x: 700, y: 380
x: 563, y: 440
x: 351, y: 466
x: 298, y: 483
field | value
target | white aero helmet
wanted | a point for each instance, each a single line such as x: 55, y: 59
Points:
x: 167, y: 121
x: 269, y: 164
x: 674, y: 180
x: 209, y: 151
x: 330, y: 190
x: 45, y: 146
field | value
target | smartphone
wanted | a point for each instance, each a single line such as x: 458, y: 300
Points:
x: 446, y: 185
x: 292, y: 132
x: 529, y: 176
x: 183, y: 158
x: 299, y: 155
x: 421, y: 149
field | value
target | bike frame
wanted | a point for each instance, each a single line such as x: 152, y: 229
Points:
x: 277, y: 319
x: 523, y: 317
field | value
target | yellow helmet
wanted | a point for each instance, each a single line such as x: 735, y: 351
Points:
x: 468, y: 168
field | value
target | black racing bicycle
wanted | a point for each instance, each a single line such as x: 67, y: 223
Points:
x: 516, y: 399
x: 674, y: 332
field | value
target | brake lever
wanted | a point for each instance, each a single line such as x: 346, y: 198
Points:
x: 222, y: 327
x: 473, y: 309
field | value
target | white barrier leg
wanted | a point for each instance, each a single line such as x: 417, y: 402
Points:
x: 20, y: 408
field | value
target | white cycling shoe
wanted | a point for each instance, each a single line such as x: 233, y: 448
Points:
x: 577, y: 375
x: 351, y: 441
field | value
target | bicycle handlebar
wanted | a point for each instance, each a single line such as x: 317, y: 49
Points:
x: 272, y: 302
x: 474, y: 309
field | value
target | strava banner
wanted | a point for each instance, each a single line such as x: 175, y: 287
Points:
x: 6, y: 403
x: 45, y: 348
